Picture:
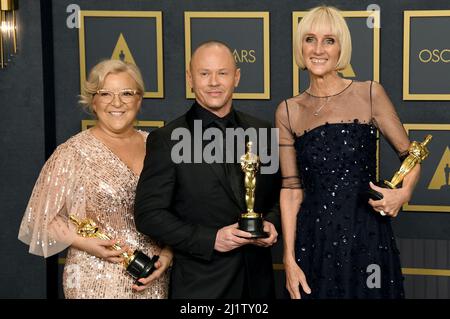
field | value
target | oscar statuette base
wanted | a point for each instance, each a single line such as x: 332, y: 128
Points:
x: 254, y: 226
x: 373, y: 194
x: 141, y: 266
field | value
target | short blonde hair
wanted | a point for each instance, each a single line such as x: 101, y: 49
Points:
x: 323, y: 18
x: 100, y: 71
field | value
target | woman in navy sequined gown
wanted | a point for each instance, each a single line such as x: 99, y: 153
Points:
x: 337, y: 242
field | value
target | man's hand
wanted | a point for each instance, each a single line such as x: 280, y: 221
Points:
x: 269, y: 241
x: 230, y: 237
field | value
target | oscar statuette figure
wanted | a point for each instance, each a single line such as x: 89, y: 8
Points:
x: 250, y: 221
x: 417, y: 153
x: 136, y: 263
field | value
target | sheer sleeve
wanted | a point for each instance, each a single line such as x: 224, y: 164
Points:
x: 288, y: 161
x: 387, y: 121
x: 58, y: 190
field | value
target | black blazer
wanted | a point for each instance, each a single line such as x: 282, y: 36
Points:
x: 184, y: 205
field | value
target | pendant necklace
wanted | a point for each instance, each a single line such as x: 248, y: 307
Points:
x: 327, y: 98
x: 316, y: 113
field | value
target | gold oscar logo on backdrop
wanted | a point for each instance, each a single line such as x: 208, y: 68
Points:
x: 441, y: 177
x: 435, y: 56
x: 426, y: 55
x: 124, y: 34
x: 122, y: 51
x: 244, y: 56
x: 348, y: 72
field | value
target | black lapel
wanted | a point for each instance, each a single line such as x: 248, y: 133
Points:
x: 238, y: 189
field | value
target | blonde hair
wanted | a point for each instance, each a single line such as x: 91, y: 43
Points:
x: 323, y: 18
x: 100, y: 71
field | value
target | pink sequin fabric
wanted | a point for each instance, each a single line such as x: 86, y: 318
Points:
x: 83, y: 177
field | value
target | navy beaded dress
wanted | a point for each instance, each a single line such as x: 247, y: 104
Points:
x: 344, y: 247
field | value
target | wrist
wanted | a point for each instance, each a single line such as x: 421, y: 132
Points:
x: 169, y: 258
x: 407, y: 194
x: 78, y: 242
x: 289, y: 259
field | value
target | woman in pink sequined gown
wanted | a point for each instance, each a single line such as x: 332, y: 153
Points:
x: 94, y: 175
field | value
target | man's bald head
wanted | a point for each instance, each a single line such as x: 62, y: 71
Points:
x: 213, y: 76
x: 212, y: 43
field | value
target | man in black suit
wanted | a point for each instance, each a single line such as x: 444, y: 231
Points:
x: 194, y: 207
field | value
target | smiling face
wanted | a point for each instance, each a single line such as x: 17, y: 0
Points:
x: 213, y: 76
x: 117, y: 117
x: 323, y: 33
x: 321, y: 52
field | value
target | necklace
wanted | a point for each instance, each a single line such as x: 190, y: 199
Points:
x: 327, y: 97
x: 316, y: 113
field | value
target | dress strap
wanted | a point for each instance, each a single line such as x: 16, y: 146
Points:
x: 288, y: 118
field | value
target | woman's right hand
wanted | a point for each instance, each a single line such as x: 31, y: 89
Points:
x: 163, y: 263
x: 100, y: 248
x: 295, y: 277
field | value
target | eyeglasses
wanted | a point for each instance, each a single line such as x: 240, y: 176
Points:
x: 126, y: 96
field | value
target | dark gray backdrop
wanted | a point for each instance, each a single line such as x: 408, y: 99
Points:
x: 424, y: 238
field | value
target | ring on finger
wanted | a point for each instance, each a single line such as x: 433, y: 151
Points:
x: 382, y: 213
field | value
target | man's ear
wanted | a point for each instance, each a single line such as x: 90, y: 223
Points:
x: 189, y: 78
x: 237, y: 77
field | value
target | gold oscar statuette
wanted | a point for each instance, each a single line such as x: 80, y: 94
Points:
x: 250, y: 221
x: 136, y: 263
x: 417, y: 153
